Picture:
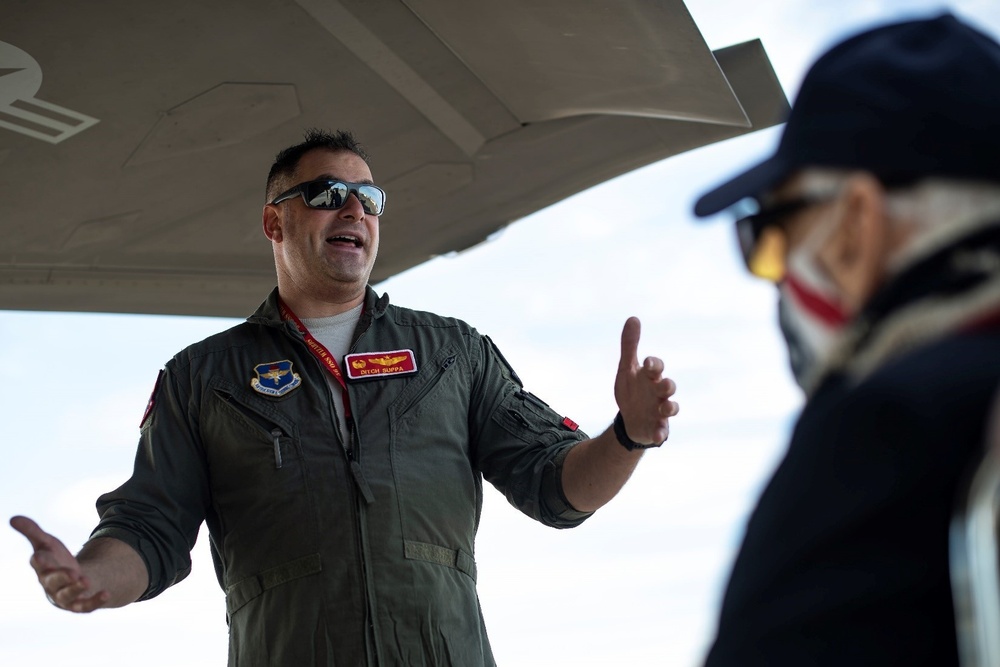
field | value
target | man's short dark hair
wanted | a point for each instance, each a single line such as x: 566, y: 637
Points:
x: 287, y: 160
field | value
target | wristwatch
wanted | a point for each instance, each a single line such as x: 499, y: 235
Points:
x: 627, y: 442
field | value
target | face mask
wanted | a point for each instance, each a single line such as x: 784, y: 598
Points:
x: 810, y: 314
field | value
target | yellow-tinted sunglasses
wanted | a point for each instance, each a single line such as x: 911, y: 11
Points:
x: 763, y: 239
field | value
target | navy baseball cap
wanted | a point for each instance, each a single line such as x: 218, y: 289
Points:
x: 903, y: 101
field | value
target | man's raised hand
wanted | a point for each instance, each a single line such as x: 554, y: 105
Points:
x: 642, y: 393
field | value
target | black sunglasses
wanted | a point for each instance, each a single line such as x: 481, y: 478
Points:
x: 762, y: 238
x: 331, y: 195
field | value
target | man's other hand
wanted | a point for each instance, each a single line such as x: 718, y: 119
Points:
x: 58, y: 571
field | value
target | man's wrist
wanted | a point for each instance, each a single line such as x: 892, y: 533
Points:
x: 622, y: 436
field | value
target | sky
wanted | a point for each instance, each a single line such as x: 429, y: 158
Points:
x: 637, y: 584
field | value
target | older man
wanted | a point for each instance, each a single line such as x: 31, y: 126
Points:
x: 335, y: 445
x: 878, y: 218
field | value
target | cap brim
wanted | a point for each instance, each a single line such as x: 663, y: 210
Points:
x: 750, y: 183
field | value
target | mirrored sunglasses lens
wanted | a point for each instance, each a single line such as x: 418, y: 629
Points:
x: 371, y: 199
x: 326, y: 194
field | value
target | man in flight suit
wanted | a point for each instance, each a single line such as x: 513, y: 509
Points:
x: 336, y: 445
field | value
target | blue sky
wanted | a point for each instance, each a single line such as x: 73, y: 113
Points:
x: 639, y: 583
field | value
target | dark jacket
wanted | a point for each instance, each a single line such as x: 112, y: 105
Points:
x: 845, y: 558
x: 331, y: 552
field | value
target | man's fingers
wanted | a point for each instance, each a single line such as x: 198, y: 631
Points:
x: 39, y: 538
x: 665, y: 388
x: 630, y: 344
x: 669, y: 409
x: 642, y: 392
x: 75, y: 597
x: 64, y: 589
x: 88, y: 604
x: 55, y: 580
x: 653, y: 366
x: 57, y: 570
x: 44, y: 562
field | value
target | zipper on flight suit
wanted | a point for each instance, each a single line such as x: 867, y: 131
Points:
x: 276, y: 434
x: 430, y: 384
x: 352, y: 455
x: 526, y: 397
x: 358, y: 473
x: 354, y: 460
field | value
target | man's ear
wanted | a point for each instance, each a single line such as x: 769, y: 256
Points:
x: 857, y: 253
x: 272, y: 222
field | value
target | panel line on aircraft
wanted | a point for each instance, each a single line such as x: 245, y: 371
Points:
x: 372, y: 51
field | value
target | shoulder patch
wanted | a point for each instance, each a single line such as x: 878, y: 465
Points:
x: 152, y: 401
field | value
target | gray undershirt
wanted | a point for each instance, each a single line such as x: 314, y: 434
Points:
x: 335, y: 334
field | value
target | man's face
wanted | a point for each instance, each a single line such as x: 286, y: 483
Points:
x: 846, y: 235
x: 797, y: 228
x: 324, y: 252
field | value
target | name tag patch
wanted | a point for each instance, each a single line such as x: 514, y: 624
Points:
x: 275, y: 378
x: 373, y: 365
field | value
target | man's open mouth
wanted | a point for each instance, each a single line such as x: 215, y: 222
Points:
x: 346, y: 239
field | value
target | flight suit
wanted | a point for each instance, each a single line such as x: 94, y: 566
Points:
x: 332, y: 552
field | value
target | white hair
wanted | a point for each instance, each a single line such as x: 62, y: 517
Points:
x: 937, y: 210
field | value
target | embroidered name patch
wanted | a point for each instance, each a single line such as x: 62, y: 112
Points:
x: 370, y: 365
x: 275, y: 378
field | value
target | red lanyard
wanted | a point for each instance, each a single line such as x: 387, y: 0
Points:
x: 319, y: 351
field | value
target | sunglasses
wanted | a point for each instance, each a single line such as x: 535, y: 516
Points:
x: 763, y: 239
x: 331, y: 195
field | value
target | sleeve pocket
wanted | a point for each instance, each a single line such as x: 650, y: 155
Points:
x: 528, y: 419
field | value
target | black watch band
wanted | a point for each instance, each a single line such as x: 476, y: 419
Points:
x: 623, y: 438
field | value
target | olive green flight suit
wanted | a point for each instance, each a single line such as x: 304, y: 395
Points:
x: 331, y: 552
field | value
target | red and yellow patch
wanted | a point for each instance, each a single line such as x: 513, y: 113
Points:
x: 372, y: 365
x: 152, y: 400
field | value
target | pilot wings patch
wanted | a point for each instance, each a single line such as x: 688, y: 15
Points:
x: 371, y: 365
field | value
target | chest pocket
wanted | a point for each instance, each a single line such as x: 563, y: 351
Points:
x: 264, y: 430
x: 429, y: 380
x: 439, y: 491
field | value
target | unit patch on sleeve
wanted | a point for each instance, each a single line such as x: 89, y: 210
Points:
x: 152, y: 400
x: 275, y: 378
x: 373, y: 365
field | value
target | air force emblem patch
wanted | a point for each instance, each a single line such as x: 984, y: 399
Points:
x: 275, y: 378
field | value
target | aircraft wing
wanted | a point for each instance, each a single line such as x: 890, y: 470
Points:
x: 135, y: 137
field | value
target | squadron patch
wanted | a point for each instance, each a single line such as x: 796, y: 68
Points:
x: 152, y: 400
x: 275, y: 378
x: 372, y: 365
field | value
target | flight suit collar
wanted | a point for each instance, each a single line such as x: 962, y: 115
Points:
x: 268, y: 312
